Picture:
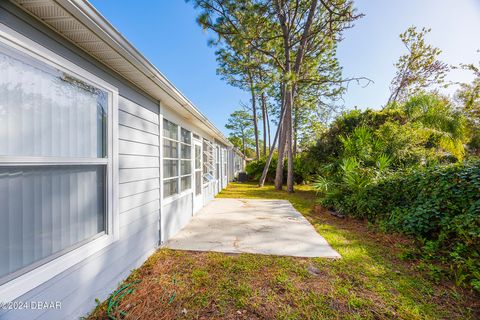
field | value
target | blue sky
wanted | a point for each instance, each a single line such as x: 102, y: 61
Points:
x: 166, y: 33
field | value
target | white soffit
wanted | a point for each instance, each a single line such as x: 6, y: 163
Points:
x: 81, y: 24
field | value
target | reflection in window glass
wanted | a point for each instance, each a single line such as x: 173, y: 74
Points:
x: 198, y: 155
x: 186, y: 152
x: 186, y: 137
x: 170, y: 149
x: 186, y: 167
x: 170, y: 187
x: 45, y: 112
x: 170, y: 168
x: 45, y: 210
x: 186, y: 183
x: 170, y: 130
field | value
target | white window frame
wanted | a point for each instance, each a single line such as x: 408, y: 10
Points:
x: 225, y: 164
x: 20, y: 285
x: 199, y: 142
x: 209, y: 164
x: 218, y: 167
x: 185, y: 159
x: 178, y: 176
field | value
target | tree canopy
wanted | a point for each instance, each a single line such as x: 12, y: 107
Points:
x: 289, y: 46
x: 240, y: 123
x: 417, y: 69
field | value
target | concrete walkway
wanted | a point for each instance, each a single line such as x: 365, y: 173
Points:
x: 270, y: 227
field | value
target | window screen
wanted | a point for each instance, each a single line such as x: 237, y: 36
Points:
x: 177, y: 159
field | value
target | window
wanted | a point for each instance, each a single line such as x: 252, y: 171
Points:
x: 55, y: 165
x: 217, y: 163
x: 208, y: 161
x: 186, y: 160
x: 237, y: 162
x: 198, y: 169
x: 177, y: 159
x: 224, y: 162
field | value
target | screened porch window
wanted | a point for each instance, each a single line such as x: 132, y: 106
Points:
x: 208, y: 161
x: 186, y: 160
x: 225, y: 159
x: 217, y: 163
x: 177, y: 159
x: 53, y: 162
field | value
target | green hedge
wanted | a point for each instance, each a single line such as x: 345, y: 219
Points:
x: 254, y: 169
x: 439, y: 205
x: 303, y: 169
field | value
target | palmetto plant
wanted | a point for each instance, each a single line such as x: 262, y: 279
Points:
x: 363, y: 162
x: 440, y: 121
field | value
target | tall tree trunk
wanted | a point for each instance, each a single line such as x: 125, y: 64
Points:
x: 292, y: 88
x: 272, y: 148
x: 295, y: 130
x: 264, y: 118
x: 254, y: 113
x: 289, y: 132
x: 268, y: 130
x: 281, y: 157
x: 281, y: 141
x: 283, y: 91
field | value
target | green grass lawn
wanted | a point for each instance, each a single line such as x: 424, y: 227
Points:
x: 371, y: 281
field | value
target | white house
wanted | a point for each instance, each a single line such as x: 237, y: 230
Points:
x: 102, y: 159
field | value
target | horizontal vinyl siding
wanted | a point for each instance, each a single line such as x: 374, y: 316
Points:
x: 137, y: 148
x: 136, y: 122
x: 137, y: 200
x: 139, y: 175
x: 135, y: 135
x: 127, y: 161
x: 136, y: 187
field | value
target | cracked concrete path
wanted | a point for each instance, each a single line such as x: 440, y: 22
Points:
x: 270, y: 227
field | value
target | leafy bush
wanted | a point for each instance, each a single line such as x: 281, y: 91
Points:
x: 425, y: 130
x: 304, y: 169
x: 438, y: 205
x: 403, y: 168
x: 254, y: 169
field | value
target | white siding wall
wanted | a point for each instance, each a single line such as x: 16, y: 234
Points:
x: 139, y: 152
x: 139, y: 202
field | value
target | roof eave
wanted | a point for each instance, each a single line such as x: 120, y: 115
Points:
x: 85, y: 13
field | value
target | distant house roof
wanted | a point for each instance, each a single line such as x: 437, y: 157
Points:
x: 80, y: 23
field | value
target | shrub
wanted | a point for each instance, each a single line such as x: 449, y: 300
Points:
x: 254, y: 169
x: 438, y: 205
x: 303, y: 168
